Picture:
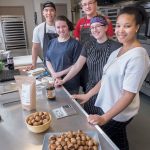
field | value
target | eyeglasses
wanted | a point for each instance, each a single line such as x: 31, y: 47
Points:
x: 88, y: 4
x: 96, y: 27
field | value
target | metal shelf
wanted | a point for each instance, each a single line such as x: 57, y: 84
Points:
x: 111, y: 13
x: 13, y: 30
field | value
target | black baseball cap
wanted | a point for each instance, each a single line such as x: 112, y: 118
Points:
x: 49, y: 4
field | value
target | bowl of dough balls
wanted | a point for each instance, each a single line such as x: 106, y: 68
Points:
x: 38, y: 122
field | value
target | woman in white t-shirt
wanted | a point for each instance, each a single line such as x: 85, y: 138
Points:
x: 123, y: 75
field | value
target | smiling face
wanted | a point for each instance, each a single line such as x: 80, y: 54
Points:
x: 89, y: 7
x: 62, y: 29
x: 49, y: 13
x: 98, y: 30
x: 126, y: 28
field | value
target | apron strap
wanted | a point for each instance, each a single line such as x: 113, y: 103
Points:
x: 45, y: 27
x: 44, y: 46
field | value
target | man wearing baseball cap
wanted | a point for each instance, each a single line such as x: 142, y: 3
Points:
x: 43, y: 33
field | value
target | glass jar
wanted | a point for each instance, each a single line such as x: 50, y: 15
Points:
x: 50, y: 91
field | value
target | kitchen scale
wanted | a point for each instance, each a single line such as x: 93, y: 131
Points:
x: 64, y: 111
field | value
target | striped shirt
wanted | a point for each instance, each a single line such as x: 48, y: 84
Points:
x: 96, y: 57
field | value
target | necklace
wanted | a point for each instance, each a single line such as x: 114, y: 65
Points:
x: 125, y: 49
x: 122, y: 51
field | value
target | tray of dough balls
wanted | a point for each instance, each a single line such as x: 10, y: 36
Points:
x: 72, y: 140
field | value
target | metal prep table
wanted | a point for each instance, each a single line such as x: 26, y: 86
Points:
x: 14, y: 134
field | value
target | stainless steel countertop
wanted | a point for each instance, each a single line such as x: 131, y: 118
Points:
x: 14, y: 134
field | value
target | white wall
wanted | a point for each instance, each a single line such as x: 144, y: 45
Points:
x: 37, y: 8
x: 29, y: 14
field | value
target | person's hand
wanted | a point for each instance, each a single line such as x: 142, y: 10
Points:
x: 30, y: 67
x: 82, y: 97
x: 97, y: 119
x: 56, y: 75
x: 77, y: 38
x: 53, y: 75
x: 59, y: 82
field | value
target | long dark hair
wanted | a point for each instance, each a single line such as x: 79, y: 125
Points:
x: 64, y: 18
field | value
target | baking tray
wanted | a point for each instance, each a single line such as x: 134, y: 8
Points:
x: 92, y: 134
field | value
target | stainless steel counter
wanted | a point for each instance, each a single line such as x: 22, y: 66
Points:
x: 14, y: 134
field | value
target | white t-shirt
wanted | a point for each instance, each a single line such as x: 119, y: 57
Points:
x: 126, y: 72
x: 38, y: 33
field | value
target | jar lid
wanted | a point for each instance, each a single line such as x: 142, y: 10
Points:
x: 50, y: 88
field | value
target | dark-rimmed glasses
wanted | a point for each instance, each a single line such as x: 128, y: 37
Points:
x: 96, y: 27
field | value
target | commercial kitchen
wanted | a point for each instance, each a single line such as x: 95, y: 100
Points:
x: 18, y: 19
